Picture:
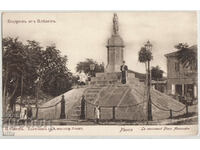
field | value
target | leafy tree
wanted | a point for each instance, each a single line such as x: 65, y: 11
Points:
x: 75, y: 79
x: 53, y: 72
x: 187, y: 55
x: 33, y: 62
x: 144, y: 56
x: 14, y: 64
x: 25, y: 66
x: 156, y: 73
x: 84, y: 66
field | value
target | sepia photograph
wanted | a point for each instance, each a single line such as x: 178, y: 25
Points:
x: 100, y: 69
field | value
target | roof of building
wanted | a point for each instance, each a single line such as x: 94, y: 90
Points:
x: 142, y: 76
x: 159, y: 82
x: 194, y: 48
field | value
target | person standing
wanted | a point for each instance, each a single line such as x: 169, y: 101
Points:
x: 29, y: 112
x: 9, y: 111
x: 83, y: 78
x: 97, y: 114
x: 124, y: 69
x: 23, y: 113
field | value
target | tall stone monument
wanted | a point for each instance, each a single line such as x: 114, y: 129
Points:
x: 115, y: 45
x: 115, y: 57
x: 106, y: 90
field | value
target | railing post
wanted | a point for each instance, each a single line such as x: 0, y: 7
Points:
x: 36, y: 116
x: 85, y: 109
x: 99, y: 112
x: 113, y: 109
x: 186, y: 106
x: 82, y: 108
x: 55, y: 111
x: 62, y: 113
x: 171, y: 114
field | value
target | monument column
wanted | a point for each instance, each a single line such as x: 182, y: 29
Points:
x: 115, y: 49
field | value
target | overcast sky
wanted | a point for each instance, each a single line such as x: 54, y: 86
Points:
x: 83, y: 35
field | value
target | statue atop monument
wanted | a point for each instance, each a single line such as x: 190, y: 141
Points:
x: 115, y: 24
x: 115, y: 47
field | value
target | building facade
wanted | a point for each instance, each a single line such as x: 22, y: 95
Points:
x: 181, y: 81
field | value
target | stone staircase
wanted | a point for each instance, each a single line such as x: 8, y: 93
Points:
x: 74, y: 114
x: 104, y: 79
x: 106, y: 89
x: 114, y: 94
x: 91, y: 95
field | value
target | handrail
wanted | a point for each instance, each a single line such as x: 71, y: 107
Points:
x: 168, y: 109
x: 133, y: 105
x: 48, y: 106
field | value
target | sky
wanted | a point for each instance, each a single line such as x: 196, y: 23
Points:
x: 81, y: 35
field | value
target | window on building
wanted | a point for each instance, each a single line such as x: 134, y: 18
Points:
x: 177, y: 67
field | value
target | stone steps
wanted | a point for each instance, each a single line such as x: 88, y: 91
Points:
x: 115, y: 96
x: 105, y: 86
x: 91, y: 94
x: 103, y: 82
x: 75, y: 113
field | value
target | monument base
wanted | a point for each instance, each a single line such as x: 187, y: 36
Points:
x: 107, y: 78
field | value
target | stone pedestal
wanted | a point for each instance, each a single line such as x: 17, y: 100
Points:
x: 115, y: 53
x: 103, y: 79
x: 106, y: 78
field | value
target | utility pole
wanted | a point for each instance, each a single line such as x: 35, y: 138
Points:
x: 148, y: 47
x: 21, y: 92
x: 149, y: 109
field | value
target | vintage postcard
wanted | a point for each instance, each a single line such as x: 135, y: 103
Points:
x: 102, y: 73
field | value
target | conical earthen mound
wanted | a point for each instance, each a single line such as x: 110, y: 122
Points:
x: 129, y: 101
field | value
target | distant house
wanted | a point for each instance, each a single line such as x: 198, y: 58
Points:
x: 157, y: 85
x: 181, y: 81
x: 140, y: 76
